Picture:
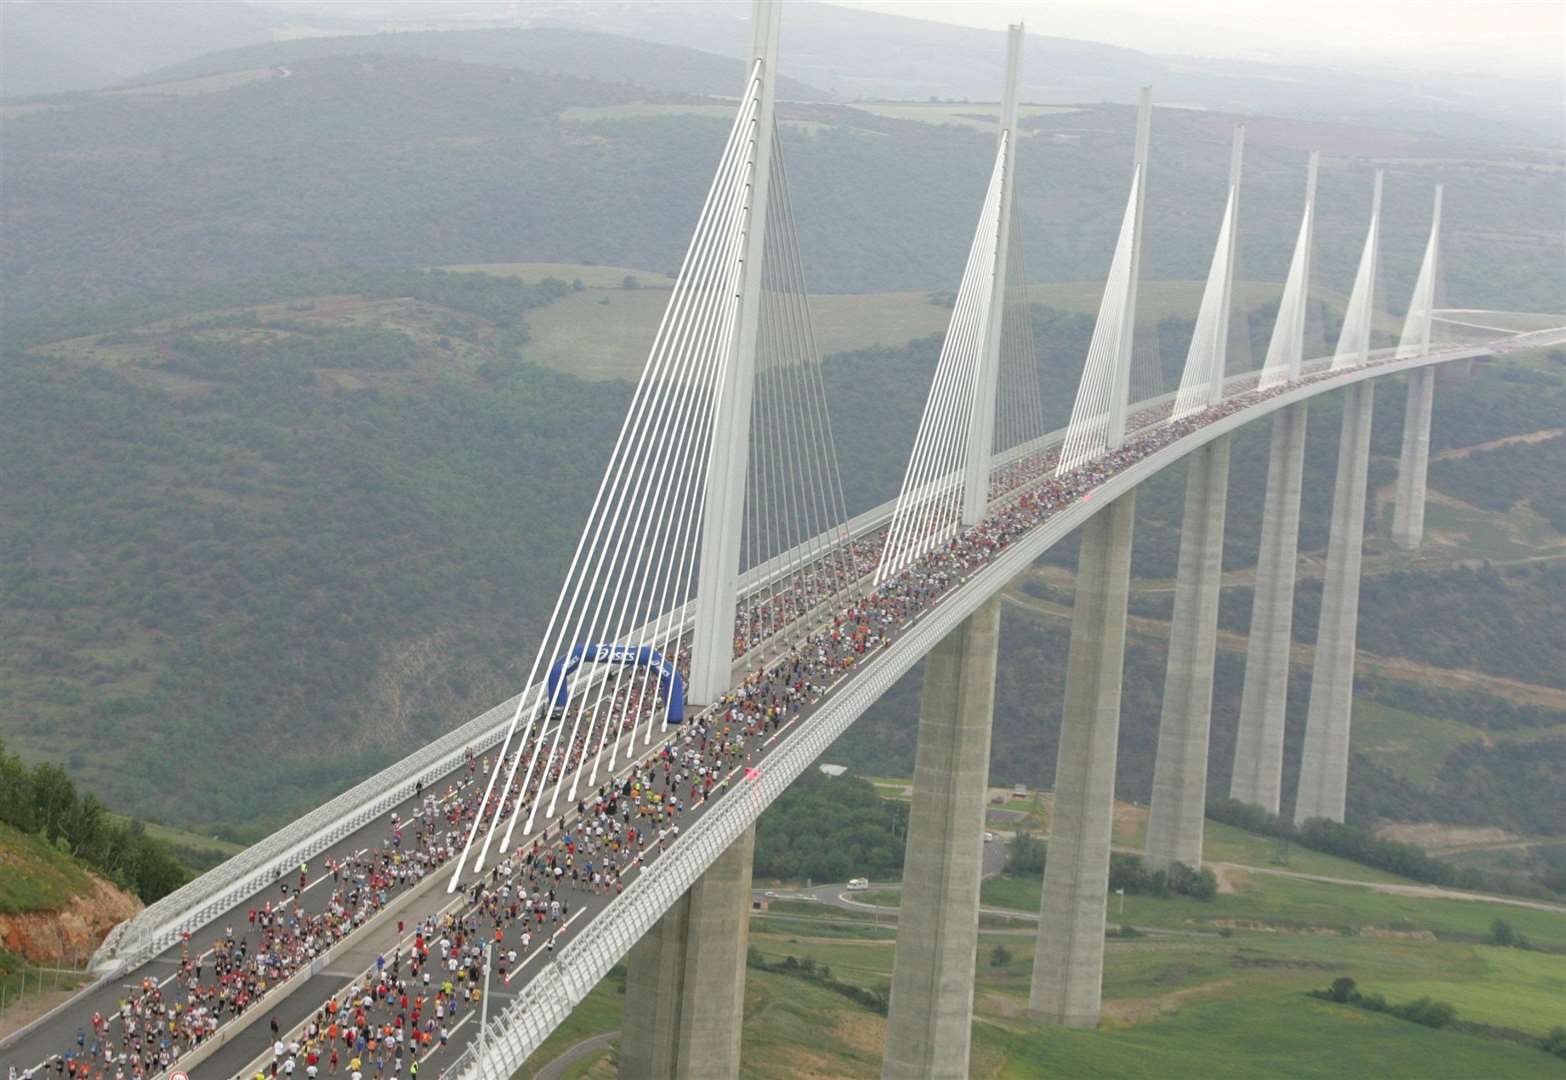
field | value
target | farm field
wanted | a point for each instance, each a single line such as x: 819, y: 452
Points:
x: 603, y: 331
x: 1234, y: 1006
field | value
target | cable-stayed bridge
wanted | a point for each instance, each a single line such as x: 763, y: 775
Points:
x: 723, y: 619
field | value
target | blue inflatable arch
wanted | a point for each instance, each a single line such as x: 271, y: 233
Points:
x: 558, y: 683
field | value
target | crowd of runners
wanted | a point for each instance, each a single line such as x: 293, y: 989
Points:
x: 405, y: 1009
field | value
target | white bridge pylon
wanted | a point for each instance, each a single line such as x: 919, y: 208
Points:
x: 1098, y: 417
x: 1415, y: 339
x: 1201, y: 386
x: 656, y: 571
x: 1286, y: 349
x: 946, y: 484
x: 1353, y: 345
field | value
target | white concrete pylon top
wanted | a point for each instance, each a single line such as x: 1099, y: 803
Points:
x: 1415, y: 339
x: 1354, y: 340
x: 981, y: 414
x: 1121, y: 384
x: 1201, y: 383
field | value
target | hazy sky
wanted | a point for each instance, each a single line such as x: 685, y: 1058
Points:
x: 1503, y: 35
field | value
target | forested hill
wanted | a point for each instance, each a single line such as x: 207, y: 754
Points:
x: 579, y: 54
x: 378, y: 160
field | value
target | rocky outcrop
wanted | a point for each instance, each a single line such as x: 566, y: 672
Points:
x: 72, y: 933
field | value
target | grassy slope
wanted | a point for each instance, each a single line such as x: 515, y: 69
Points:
x: 34, y: 876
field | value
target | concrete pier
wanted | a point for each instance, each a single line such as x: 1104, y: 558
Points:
x: 927, y: 1033
x: 1324, y: 764
x: 1068, y: 964
x: 1413, y: 464
x: 685, y: 989
x: 1258, y: 748
x: 1179, y: 803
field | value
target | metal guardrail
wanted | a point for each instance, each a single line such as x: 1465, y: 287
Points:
x: 550, y: 996
x: 198, y: 901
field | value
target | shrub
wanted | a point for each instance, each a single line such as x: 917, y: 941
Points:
x: 1501, y: 933
x: 1555, y: 1042
x: 1436, y: 1014
x: 1026, y: 855
x: 1197, y: 884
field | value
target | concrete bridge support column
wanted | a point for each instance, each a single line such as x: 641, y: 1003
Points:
x: 1258, y: 748
x: 1068, y: 964
x: 685, y: 990
x: 927, y: 1034
x: 1179, y: 804
x: 1408, y: 515
x: 1324, y: 765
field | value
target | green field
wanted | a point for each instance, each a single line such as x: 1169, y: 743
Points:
x: 1503, y: 987
x: 1519, y: 533
x: 980, y: 115
x: 1272, y: 1035
x: 1225, y: 843
x: 605, y: 331
x: 1407, y: 744
x: 591, y: 275
x: 1173, y: 1007
x: 638, y: 110
x: 1276, y: 903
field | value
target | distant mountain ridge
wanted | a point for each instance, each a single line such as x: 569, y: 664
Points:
x: 576, y: 53
x: 843, y: 53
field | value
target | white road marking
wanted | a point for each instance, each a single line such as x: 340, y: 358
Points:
x: 542, y: 949
x: 450, y: 1033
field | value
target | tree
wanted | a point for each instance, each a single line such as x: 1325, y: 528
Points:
x: 55, y: 798
x: 1343, y: 989
x: 1026, y: 855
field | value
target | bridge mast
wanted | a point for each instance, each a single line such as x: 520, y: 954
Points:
x: 712, y: 645
x: 1307, y: 244
x: 981, y: 426
x: 1120, y: 377
x: 1221, y: 341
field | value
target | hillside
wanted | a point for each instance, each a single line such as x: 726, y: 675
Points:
x: 553, y: 50
x: 52, y: 908
x: 400, y: 160
x: 298, y: 528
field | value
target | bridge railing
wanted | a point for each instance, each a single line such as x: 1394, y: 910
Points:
x: 198, y: 901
